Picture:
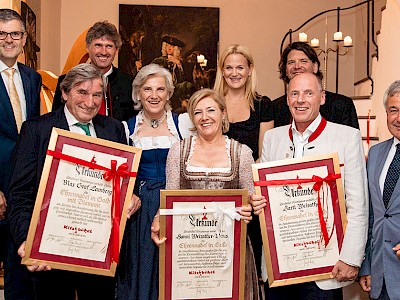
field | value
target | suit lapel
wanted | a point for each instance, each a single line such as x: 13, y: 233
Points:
x: 380, y: 161
x: 99, y: 127
x: 27, y: 90
x: 62, y: 122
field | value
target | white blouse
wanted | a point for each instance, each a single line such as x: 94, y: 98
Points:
x: 160, y: 142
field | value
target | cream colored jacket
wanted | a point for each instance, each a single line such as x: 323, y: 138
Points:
x: 346, y: 141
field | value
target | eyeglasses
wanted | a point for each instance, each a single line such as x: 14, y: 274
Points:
x: 15, y: 35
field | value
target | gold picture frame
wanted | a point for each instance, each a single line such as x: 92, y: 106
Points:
x: 188, y: 259
x: 81, y: 206
x: 304, y: 221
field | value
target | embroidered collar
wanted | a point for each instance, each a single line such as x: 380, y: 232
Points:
x: 315, y: 134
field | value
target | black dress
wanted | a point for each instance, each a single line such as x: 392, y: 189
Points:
x: 247, y: 132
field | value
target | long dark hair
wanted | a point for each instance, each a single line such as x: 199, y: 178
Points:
x: 300, y: 46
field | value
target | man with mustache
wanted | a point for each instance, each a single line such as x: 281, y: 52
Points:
x: 102, y: 44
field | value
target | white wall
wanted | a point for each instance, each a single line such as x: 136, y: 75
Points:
x: 50, y: 36
x: 388, y: 67
x: 260, y: 25
x: 10, y: 4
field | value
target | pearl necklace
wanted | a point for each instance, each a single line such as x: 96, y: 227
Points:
x: 154, y: 123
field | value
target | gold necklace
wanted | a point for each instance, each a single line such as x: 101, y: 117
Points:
x: 154, y: 123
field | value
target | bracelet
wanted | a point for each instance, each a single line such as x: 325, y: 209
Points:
x: 156, y: 216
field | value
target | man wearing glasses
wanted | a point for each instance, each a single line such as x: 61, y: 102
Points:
x: 19, y: 101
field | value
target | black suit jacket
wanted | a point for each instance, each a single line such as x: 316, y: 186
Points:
x: 30, y: 156
x: 337, y: 109
x: 120, y: 94
x: 32, y: 83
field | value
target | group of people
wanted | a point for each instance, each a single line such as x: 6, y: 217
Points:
x: 212, y: 146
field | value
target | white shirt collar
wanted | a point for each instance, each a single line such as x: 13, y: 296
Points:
x: 71, y: 120
x: 310, y: 129
x: 3, y: 66
x: 106, y: 74
x: 395, y: 141
x: 300, y: 140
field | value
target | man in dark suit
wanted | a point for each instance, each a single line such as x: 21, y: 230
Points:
x: 380, y: 271
x: 299, y: 58
x: 82, y: 89
x: 102, y: 44
x: 19, y: 101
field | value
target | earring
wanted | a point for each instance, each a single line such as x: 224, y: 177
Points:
x: 223, y: 122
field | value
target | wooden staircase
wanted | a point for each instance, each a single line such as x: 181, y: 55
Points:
x: 367, y: 121
x: 363, y: 99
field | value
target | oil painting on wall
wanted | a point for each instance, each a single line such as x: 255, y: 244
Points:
x: 184, y: 40
x: 30, y: 48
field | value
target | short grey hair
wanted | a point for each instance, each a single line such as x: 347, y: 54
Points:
x: 7, y: 15
x: 79, y: 74
x: 143, y: 75
x: 392, y: 90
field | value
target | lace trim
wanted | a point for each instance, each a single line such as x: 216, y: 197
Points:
x: 149, y: 142
x: 190, y: 168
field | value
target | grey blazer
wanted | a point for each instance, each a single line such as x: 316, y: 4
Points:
x: 384, y: 228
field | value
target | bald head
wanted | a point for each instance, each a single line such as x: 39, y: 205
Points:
x: 304, y: 98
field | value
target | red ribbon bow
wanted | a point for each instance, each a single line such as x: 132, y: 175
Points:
x: 331, y: 181
x: 318, y: 182
x: 113, y: 174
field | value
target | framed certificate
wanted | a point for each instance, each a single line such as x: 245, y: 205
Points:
x: 304, y: 221
x: 80, y: 211
x: 204, y: 254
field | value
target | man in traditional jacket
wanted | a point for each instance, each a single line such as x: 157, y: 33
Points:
x: 102, y: 44
x: 310, y: 134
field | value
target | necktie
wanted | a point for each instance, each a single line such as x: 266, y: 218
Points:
x: 84, y: 127
x: 392, y: 177
x: 14, y: 98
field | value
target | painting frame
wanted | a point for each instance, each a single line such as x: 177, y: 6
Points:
x: 184, y: 40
